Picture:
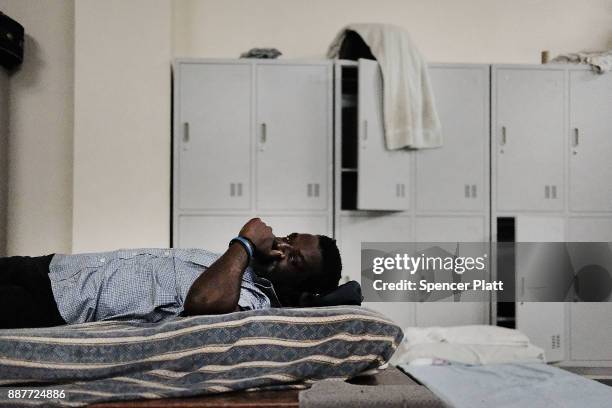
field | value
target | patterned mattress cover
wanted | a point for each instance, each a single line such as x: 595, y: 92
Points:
x: 262, y: 349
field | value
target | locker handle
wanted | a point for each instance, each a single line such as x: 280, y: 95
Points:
x: 503, y: 135
x: 186, y: 132
x: 576, y: 137
x: 365, y: 130
x: 263, y: 136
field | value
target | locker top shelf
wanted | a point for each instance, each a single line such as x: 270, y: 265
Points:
x: 550, y: 66
x: 251, y: 61
x: 349, y: 63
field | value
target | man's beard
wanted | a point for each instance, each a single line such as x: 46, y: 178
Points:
x: 264, y: 267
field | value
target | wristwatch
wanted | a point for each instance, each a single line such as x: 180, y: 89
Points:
x: 246, y: 244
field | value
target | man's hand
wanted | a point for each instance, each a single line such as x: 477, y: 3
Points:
x: 260, y: 235
x: 217, y: 290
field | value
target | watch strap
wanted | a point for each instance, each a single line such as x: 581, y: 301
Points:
x: 246, y: 244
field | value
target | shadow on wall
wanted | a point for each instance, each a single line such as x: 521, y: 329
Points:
x: 28, y: 72
x: 4, y: 113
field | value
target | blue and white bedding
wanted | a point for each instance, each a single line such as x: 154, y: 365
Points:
x: 107, y: 361
x: 532, y: 385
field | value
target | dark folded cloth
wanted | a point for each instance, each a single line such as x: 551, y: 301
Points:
x: 266, y: 53
x: 338, y: 394
x: 346, y: 294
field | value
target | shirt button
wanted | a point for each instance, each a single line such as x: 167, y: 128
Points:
x: 167, y: 253
x: 102, y: 259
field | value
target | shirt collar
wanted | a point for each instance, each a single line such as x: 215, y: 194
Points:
x: 267, y: 288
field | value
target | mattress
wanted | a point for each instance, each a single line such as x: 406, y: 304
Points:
x: 262, y: 349
x: 534, y: 385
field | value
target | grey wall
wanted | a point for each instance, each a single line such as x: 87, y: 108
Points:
x: 39, y: 208
x: 121, y: 194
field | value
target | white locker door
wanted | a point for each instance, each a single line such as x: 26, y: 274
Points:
x: 452, y: 230
x: 283, y: 225
x: 357, y: 228
x: 383, y: 175
x: 542, y: 322
x: 590, y: 323
x: 213, y: 136
x: 591, y: 141
x: 537, y: 228
x: 210, y: 232
x: 528, y: 139
x: 293, y: 124
x: 454, y: 177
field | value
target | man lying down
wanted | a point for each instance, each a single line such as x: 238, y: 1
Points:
x: 257, y: 271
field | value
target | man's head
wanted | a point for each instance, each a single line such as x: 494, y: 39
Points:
x: 302, y: 263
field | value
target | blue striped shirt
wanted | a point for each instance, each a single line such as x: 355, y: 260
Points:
x: 138, y: 284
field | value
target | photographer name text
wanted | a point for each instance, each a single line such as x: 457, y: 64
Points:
x: 426, y: 286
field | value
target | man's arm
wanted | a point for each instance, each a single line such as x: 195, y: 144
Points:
x: 217, y: 290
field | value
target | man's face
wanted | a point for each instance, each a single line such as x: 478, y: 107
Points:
x: 295, y: 258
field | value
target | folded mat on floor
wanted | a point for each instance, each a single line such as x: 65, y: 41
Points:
x: 337, y: 394
x: 533, y: 385
x: 260, y: 349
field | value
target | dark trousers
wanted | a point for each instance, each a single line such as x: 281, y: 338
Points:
x: 26, y: 298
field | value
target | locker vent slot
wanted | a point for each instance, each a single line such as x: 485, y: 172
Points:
x: 555, y: 341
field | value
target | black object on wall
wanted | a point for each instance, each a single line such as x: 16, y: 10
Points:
x: 11, y: 42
